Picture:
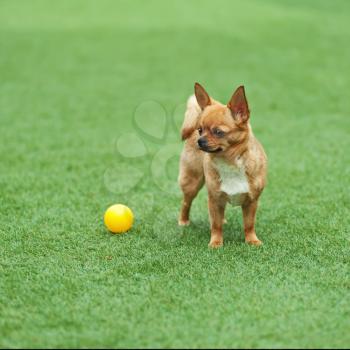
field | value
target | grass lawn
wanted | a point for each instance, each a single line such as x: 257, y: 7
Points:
x: 76, y: 78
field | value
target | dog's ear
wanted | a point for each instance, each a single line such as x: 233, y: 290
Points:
x: 202, y: 96
x: 238, y: 105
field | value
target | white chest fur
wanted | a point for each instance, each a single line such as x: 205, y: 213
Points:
x: 233, y: 179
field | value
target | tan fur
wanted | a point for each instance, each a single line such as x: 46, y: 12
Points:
x: 227, y: 131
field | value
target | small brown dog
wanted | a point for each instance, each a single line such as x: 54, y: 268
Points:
x: 221, y: 150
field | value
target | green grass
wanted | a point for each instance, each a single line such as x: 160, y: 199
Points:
x: 71, y: 75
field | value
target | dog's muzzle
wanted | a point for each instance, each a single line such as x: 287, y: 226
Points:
x: 203, y: 145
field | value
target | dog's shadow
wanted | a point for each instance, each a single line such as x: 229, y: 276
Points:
x: 199, y: 230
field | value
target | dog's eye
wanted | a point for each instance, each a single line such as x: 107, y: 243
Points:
x: 200, y: 131
x: 219, y: 133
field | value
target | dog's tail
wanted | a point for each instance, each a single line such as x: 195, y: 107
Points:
x: 192, y: 113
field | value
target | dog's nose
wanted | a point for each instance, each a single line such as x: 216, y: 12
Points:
x: 202, y: 142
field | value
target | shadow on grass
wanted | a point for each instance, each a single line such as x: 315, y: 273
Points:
x: 199, y: 232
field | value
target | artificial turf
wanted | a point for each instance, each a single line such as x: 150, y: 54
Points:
x: 77, y: 75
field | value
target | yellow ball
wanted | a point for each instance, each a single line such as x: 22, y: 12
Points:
x: 118, y: 218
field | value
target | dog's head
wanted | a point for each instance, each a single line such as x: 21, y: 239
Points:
x: 222, y: 127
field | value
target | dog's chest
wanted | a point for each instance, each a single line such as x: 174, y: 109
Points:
x: 233, y: 180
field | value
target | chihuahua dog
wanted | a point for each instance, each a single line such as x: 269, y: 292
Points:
x: 222, y: 152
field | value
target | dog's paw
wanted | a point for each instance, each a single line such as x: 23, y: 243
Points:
x: 216, y: 243
x: 255, y: 242
x: 184, y: 222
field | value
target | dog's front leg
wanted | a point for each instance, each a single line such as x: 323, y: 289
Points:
x: 217, y: 214
x: 249, y: 213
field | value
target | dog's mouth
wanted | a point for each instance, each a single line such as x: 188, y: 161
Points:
x: 209, y: 150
